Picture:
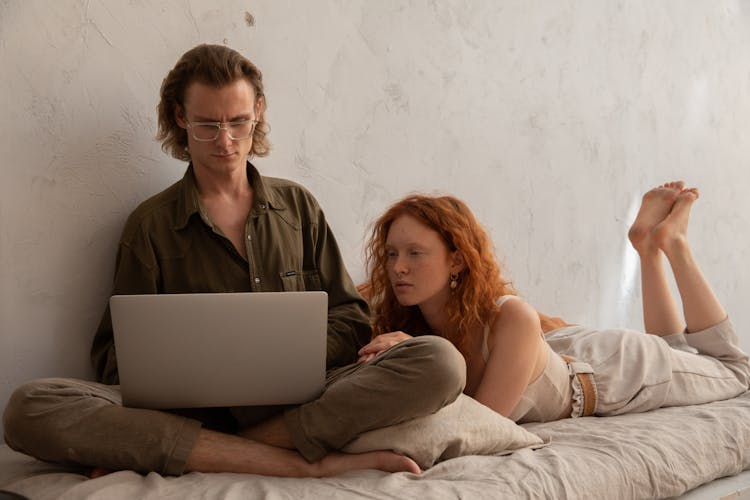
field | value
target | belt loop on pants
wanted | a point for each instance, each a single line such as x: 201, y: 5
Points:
x: 587, y: 387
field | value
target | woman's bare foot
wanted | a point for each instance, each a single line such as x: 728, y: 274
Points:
x: 388, y: 461
x: 655, y: 207
x: 670, y: 235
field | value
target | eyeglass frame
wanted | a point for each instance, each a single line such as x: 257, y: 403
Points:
x: 219, y: 128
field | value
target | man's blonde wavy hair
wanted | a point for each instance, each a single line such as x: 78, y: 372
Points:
x: 214, y: 65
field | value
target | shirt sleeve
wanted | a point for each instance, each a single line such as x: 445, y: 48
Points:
x: 135, y: 273
x: 348, y: 314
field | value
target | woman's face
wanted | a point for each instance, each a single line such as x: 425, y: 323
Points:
x: 419, y: 263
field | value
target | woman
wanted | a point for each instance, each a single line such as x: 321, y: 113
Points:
x: 433, y: 272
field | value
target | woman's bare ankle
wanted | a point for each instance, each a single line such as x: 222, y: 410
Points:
x: 670, y: 235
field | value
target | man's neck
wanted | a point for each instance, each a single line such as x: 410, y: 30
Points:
x: 230, y: 184
x: 228, y: 198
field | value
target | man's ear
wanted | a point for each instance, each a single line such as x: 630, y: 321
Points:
x: 458, y: 264
x: 179, y: 116
x: 260, y: 106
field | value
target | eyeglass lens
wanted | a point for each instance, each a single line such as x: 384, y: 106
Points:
x: 210, y: 131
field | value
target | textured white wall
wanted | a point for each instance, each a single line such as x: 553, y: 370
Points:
x: 549, y: 118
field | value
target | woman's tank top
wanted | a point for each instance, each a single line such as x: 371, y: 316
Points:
x: 548, y: 397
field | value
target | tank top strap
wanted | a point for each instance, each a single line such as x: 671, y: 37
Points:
x: 485, y: 346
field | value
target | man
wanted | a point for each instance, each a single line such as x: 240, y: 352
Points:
x: 224, y: 227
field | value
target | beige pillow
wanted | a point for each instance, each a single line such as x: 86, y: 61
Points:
x: 464, y: 427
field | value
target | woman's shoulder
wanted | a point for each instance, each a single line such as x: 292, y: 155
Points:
x: 510, y: 297
x: 512, y: 309
x: 548, y: 323
x: 514, y: 318
x: 504, y: 298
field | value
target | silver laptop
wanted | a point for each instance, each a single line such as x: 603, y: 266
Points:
x: 220, y: 349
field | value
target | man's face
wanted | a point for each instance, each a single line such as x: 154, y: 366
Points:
x: 234, y: 103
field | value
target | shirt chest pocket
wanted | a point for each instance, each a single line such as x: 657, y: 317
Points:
x: 294, y: 253
x: 299, y: 281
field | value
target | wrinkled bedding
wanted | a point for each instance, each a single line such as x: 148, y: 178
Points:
x: 659, y: 454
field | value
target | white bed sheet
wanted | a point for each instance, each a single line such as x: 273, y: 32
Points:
x: 660, y: 454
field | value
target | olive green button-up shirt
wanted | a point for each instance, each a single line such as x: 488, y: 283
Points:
x: 169, y: 245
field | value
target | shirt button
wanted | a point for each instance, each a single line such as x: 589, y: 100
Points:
x: 263, y: 206
x: 249, y: 237
x: 257, y: 280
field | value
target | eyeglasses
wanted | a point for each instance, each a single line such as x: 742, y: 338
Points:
x: 209, y: 131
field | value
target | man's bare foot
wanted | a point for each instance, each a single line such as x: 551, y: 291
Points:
x: 96, y: 472
x: 388, y: 461
x: 217, y: 452
x: 655, y: 207
x: 670, y: 235
x: 272, y: 432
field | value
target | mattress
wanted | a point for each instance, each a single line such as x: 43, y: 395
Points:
x: 659, y: 454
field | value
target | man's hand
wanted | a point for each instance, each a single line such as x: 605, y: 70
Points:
x: 381, y: 343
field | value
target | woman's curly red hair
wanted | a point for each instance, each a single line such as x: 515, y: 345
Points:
x: 480, y: 284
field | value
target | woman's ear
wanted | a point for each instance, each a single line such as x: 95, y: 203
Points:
x: 458, y: 264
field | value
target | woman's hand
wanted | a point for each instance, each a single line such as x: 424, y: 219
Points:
x: 381, y: 343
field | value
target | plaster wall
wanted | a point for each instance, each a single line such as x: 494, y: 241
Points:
x: 549, y: 118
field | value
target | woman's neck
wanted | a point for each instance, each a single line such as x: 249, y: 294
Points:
x: 435, y: 317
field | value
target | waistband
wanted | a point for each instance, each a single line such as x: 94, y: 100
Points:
x: 584, y: 388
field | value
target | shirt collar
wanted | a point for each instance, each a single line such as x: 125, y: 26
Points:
x: 263, y: 196
x: 190, y: 203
